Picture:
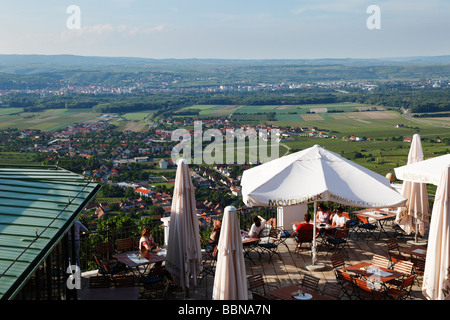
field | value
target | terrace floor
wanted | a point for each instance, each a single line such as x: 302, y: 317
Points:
x: 279, y: 272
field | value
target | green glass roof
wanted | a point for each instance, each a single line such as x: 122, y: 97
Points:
x: 38, y: 204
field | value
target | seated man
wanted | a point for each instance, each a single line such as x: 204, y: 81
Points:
x: 257, y: 226
x: 339, y: 221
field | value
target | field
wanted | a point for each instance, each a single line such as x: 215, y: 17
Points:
x: 48, y: 120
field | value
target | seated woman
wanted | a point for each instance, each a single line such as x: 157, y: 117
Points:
x: 146, y: 242
x: 215, y: 234
x: 323, y: 214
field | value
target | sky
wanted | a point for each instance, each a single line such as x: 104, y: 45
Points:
x: 227, y: 29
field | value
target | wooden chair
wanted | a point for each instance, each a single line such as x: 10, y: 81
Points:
x: 124, y: 281
x: 364, y: 291
x: 337, y: 261
x: 338, y: 241
x: 271, y: 245
x: 380, y: 261
x: 310, y: 282
x: 366, y: 228
x: 419, y: 268
x: 124, y: 245
x: 155, y: 282
x: 332, y: 291
x: 404, y: 267
x: 209, y: 260
x: 259, y: 288
x: 109, y: 268
x: 99, y: 282
x: 352, y: 223
x: 303, y: 236
x: 403, y: 291
x: 345, y: 282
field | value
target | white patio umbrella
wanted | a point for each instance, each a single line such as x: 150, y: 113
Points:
x: 426, y: 171
x: 316, y: 174
x: 413, y: 217
x: 184, y: 255
x: 230, y: 281
x: 436, y: 281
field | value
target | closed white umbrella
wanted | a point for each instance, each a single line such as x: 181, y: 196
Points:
x: 413, y: 217
x: 316, y: 174
x: 184, y: 255
x: 436, y: 280
x: 230, y: 281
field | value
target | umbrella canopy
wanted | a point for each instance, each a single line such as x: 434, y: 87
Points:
x: 316, y: 174
x: 183, y: 248
x: 426, y: 171
x: 414, y: 216
x: 436, y: 281
x: 230, y: 281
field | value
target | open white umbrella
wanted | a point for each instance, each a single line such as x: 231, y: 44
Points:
x: 230, y: 281
x: 413, y: 217
x: 436, y: 280
x: 426, y: 171
x: 316, y: 174
x: 184, y: 255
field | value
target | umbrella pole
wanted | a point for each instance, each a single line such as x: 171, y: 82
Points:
x: 314, y: 266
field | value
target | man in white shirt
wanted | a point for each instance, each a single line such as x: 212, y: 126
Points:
x: 339, y: 221
x: 257, y: 226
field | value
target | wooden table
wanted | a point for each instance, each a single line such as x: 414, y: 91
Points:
x: 358, y: 270
x: 418, y: 251
x: 380, y: 216
x: 131, y: 260
x: 285, y: 293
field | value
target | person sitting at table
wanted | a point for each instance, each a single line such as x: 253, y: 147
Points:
x: 215, y: 234
x: 257, y: 226
x: 339, y: 220
x: 323, y: 214
x: 305, y: 225
x: 146, y: 242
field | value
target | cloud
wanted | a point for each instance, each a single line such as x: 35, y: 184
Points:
x: 103, y: 30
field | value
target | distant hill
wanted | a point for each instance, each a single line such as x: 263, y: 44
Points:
x: 75, y: 60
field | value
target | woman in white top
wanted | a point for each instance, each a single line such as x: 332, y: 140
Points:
x: 323, y: 214
x: 146, y: 242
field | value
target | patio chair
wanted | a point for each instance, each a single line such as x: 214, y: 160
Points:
x: 124, y: 281
x: 419, y: 268
x: 259, y: 288
x: 404, y: 267
x: 99, y: 282
x: 403, y: 291
x: 352, y: 223
x: 332, y: 291
x: 109, y: 268
x: 303, y: 236
x: 337, y: 261
x: 310, y: 282
x: 345, y: 282
x: 380, y: 261
x: 124, y: 245
x: 338, y: 241
x: 209, y: 259
x: 366, y: 228
x: 155, y: 283
x: 271, y: 246
x: 284, y: 235
x: 364, y: 291
x: 104, y: 249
